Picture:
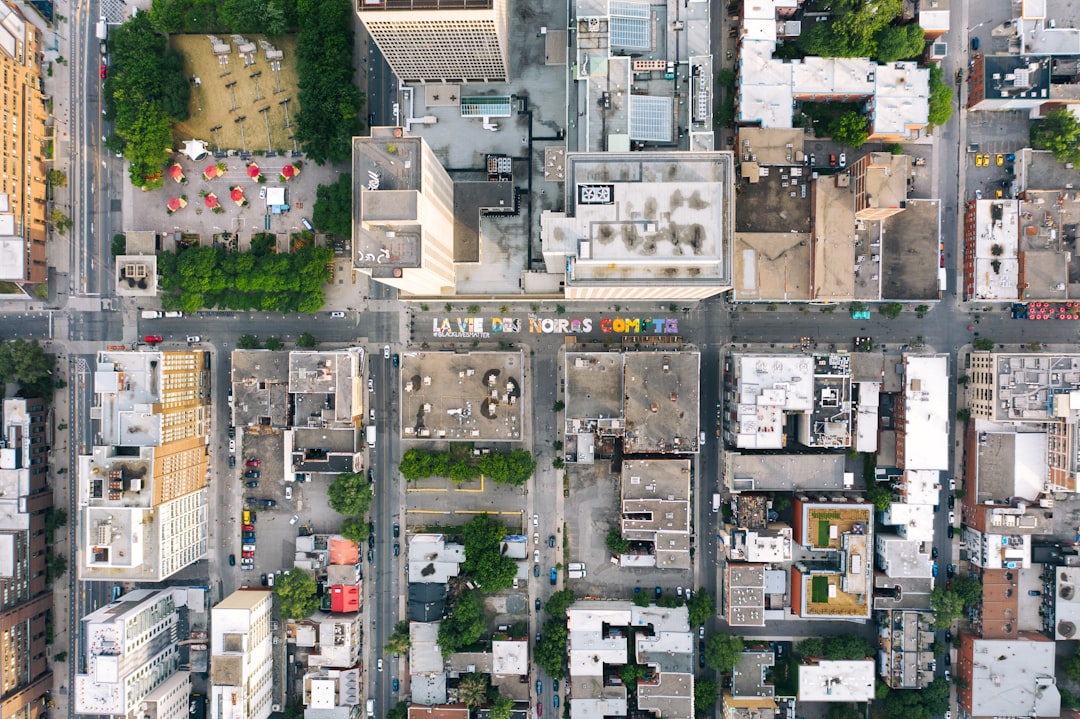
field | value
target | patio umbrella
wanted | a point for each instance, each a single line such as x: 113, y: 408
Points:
x: 211, y: 200
x: 253, y: 171
x: 174, y: 204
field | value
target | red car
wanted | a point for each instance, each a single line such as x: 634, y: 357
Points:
x: 152, y: 339
x: 539, y: 709
x: 247, y: 555
x: 103, y: 71
x: 253, y: 462
x: 248, y: 527
x: 832, y: 160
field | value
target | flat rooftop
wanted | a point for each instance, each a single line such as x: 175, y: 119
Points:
x: 326, y: 386
x: 1029, y: 384
x: 386, y: 200
x: 260, y: 386
x: 661, y: 405
x: 927, y: 416
x: 594, y: 382
x: 910, y: 252
x: 745, y: 594
x: 772, y: 266
x: 1050, y: 264
x: 656, y: 508
x: 473, y: 396
x: 997, y: 264
x: 837, y: 681
x: 833, y: 243
x: 785, y: 472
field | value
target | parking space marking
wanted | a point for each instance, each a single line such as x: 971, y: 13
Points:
x: 448, y: 489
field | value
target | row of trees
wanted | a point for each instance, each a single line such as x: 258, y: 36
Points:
x: 949, y: 604
x: 838, y: 648
x: 268, y: 17
x: 27, y: 364
x: 475, y: 690
x: 145, y: 93
x: 550, y: 652
x: 484, y: 561
x: 330, y: 104
x: 514, y: 468
x: 351, y: 494
x: 888, y: 43
x: 333, y: 206
x: 257, y: 280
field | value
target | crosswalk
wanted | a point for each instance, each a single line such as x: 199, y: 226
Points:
x: 115, y: 11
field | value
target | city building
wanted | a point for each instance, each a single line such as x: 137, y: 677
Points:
x: 753, y: 593
x: 832, y: 581
x: 241, y: 656
x: 432, y: 560
x: 403, y: 212
x: 905, y: 649
x: 330, y: 641
x: 450, y: 41
x: 1007, y: 677
x: 895, y: 96
x: 466, y: 397
x: 131, y: 656
x: 1009, y: 82
x: 656, y: 513
x: 25, y: 597
x: 1026, y: 409
x: 837, y: 681
x: 751, y: 695
x: 260, y: 389
x: 142, y: 493
x: 26, y: 146
x: 647, y: 400
x: 777, y: 398
x: 755, y: 472
x: 655, y: 225
x: 326, y: 393
x: 332, y: 693
x: 599, y: 645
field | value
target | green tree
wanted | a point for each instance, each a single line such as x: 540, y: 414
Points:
x: 472, y: 690
x: 631, y: 674
x: 843, y: 710
x: 273, y: 343
x: 56, y: 178
x: 616, y: 543
x: 1059, y: 132
x: 550, y: 652
x: 484, y: 561
x: 946, y: 606
x: 514, y: 468
x: 968, y: 590
x: 306, y: 340
x: 398, y: 711
x: 848, y: 647
x: 902, y: 42
x: 879, y: 495
x: 722, y: 652
x: 813, y: 647
x: 502, y: 707
x: 464, y: 625
x: 55, y: 566
x: 55, y: 518
x: 559, y: 602
x: 941, y: 97
x: 1068, y: 698
x: 350, y: 493
x: 642, y: 599
x: 26, y: 363
x: 559, y: 406
x: 850, y: 129
x: 891, y: 310
x: 983, y: 344
x: 119, y: 245
x: 297, y: 594
x: 938, y: 648
x: 330, y: 104
x: 333, y: 207
x: 248, y: 342
x: 355, y: 529
x: 399, y: 641
x: 701, y: 607
x: 706, y: 692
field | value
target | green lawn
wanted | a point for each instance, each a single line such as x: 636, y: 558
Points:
x: 819, y: 590
x: 823, y: 533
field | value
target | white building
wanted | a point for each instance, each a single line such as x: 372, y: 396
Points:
x: 241, y: 656
x: 843, y: 681
x: 130, y: 655
x: 922, y: 421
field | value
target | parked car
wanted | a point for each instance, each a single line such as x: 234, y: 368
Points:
x: 103, y: 71
x: 252, y: 474
x: 539, y: 687
x: 337, y: 315
x: 832, y: 160
x: 934, y: 569
x: 288, y: 491
x: 247, y: 527
x: 536, y: 520
x: 536, y: 570
x: 397, y: 531
x: 395, y: 360
x: 934, y: 553
x: 555, y: 701
x: 152, y: 339
x: 554, y: 576
x: 536, y: 556
x: 537, y: 605
x: 253, y: 462
x: 263, y: 580
x: 295, y: 519
x: 843, y: 160
x: 251, y: 485
x: 232, y: 560
x: 232, y: 461
x: 554, y: 685
x: 232, y: 432
x: 249, y: 535
x: 974, y: 43
x: 396, y: 685
x: 952, y: 518
x: 232, y: 446
x: 380, y: 665
x: 949, y: 530
x: 659, y: 591
x: 194, y: 338
x: 1034, y: 593
x: 701, y: 632
x: 551, y: 540
x: 948, y: 637
x: 952, y: 502
x: 386, y: 352
x: 370, y: 385
x: 371, y: 555
x: 948, y: 659
x: 397, y: 549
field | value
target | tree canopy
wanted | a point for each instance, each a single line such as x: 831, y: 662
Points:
x: 702, y: 606
x: 297, y: 594
x: 941, y: 97
x: 918, y: 704
x: 946, y: 606
x: 330, y: 103
x: 484, y: 560
x: 706, y: 692
x: 1058, y: 132
x: 333, y: 206
x: 514, y: 468
x: 271, y: 17
x: 399, y: 640
x: 350, y: 493
x: 26, y: 363
x: 850, y: 129
x: 879, y: 495
x: 200, y: 277
x: 900, y: 42
x: 722, y: 652
x: 836, y: 648
x: 863, y: 28
x: 559, y: 602
x: 464, y: 625
x: 550, y: 652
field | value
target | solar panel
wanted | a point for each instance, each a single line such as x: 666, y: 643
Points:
x: 650, y: 118
x: 628, y: 24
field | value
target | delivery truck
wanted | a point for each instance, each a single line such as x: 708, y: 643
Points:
x: 152, y: 314
x: 102, y: 29
x: 716, y: 502
x: 370, y: 432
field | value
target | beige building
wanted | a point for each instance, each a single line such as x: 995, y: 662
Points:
x: 403, y: 214
x: 142, y: 492
x: 656, y: 510
x: 241, y: 656
x: 440, y: 40
x: 22, y: 182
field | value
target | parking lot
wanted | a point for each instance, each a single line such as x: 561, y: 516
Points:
x: 438, y: 501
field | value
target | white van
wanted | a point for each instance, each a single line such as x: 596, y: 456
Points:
x: 370, y: 707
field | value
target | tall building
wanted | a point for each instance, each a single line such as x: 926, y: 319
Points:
x: 129, y: 652
x: 22, y: 181
x: 142, y: 493
x: 441, y: 40
x: 241, y: 656
x: 403, y: 214
x: 25, y: 600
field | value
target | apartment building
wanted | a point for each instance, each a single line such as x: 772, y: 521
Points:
x: 241, y: 656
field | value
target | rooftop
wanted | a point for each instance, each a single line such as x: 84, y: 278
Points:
x: 1010, y: 677
x: 926, y: 412
x: 432, y: 560
x: 837, y: 681
x: 749, y: 677
x: 833, y: 239
x: 996, y: 260
x: 785, y: 472
x: 745, y: 594
x: 469, y: 396
x: 1035, y: 387
x: 656, y: 509
x: 661, y: 405
x: 327, y: 387
x: 260, y: 386
x: 910, y: 254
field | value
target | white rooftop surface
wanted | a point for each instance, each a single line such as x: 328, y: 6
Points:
x: 1067, y: 607
x: 926, y: 401
x: 764, y: 83
x: 509, y: 658
x: 12, y: 259
x: 912, y: 521
x: 1014, y: 678
x: 424, y: 654
x: 769, y: 386
x: 991, y: 235
x: 922, y: 486
x: 843, y: 681
x: 1038, y: 38
x: 901, y: 97
x: 901, y: 558
x: 770, y: 548
x: 866, y: 418
x: 587, y: 620
x: 323, y: 693
x: 1030, y: 472
x: 127, y: 411
x: 431, y: 550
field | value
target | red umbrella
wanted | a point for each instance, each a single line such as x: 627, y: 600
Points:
x: 175, y: 171
x: 236, y: 194
x: 288, y: 171
x: 210, y: 172
x: 211, y: 201
x: 253, y: 171
x: 174, y: 203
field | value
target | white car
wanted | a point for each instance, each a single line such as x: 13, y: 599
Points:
x: 288, y: 491
x: 232, y: 446
x: 678, y: 591
x: 262, y: 193
x: 337, y: 314
x: 536, y: 556
x: 295, y: 519
x: 536, y: 538
x: 952, y: 517
x: 194, y: 338
x: 952, y: 484
x: 536, y: 520
x: 386, y: 352
x: 380, y: 665
x: 370, y: 385
x: 843, y: 160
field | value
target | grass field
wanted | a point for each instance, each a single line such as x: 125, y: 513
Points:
x: 819, y: 590
x: 212, y: 102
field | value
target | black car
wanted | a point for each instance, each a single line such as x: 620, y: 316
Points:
x: 397, y: 550
x: 659, y: 591
x: 537, y: 605
x: 267, y: 502
x: 232, y: 461
x: 263, y: 579
x: 371, y: 541
x: 536, y: 570
x: 252, y: 474
x: 950, y: 531
x: 249, y: 535
x: 952, y: 502
x: 371, y: 555
x: 232, y: 560
x: 551, y: 540
x: 397, y: 531
x: 396, y: 360
x: 948, y: 660
x: 933, y: 553
x: 232, y: 432
x: 948, y: 637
